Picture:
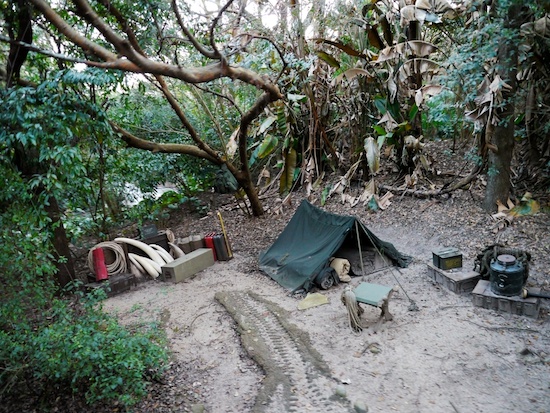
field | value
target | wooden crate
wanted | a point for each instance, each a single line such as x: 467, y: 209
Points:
x: 482, y: 296
x: 115, y: 284
x: 457, y: 281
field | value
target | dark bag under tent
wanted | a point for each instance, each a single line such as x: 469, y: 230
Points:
x: 313, y: 236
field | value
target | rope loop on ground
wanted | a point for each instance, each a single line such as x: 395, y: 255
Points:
x: 119, y: 265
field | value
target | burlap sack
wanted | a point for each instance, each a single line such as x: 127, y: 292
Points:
x: 342, y: 267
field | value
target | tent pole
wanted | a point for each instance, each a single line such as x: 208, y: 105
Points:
x: 359, y: 246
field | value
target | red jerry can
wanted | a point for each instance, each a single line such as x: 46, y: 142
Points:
x: 209, y: 241
x: 100, y: 268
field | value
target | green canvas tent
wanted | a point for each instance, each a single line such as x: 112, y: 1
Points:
x: 312, y: 237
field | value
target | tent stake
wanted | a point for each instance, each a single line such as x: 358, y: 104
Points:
x: 359, y: 246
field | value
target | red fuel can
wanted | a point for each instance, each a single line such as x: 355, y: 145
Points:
x: 209, y: 241
x: 100, y: 268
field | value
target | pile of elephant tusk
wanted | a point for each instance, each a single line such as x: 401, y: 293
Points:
x: 150, y: 263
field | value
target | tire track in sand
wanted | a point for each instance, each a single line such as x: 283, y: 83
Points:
x: 297, y: 379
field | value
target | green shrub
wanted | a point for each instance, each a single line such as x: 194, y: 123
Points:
x: 76, y: 347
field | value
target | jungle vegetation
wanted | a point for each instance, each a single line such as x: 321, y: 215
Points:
x: 242, y: 97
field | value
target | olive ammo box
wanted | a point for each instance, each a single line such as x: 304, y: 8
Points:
x: 447, y: 258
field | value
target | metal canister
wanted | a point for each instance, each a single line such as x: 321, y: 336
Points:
x: 506, y: 275
x: 221, y: 249
x: 447, y: 258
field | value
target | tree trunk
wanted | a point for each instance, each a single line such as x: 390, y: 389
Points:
x: 62, y: 253
x: 20, y: 29
x: 252, y: 194
x: 498, y: 175
x: 500, y: 159
x: 26, y: 162
x: 530, y: 128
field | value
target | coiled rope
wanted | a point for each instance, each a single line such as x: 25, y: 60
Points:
x: 354, y: 310
x: 119, y: 265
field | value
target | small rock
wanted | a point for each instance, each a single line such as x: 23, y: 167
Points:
x: 375, y: 350
x: 360, y: 407
x: 525, y: 352
x: 340, y: 391
x: 197, y: 408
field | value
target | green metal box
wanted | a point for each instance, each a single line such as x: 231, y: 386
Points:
x: 447, y: 258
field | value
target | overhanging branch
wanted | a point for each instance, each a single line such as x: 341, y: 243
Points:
x: 133, y: 61
x: 183, y: 149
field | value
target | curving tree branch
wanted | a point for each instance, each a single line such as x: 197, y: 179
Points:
x: 120, y: 49
x: 128, y: 59
x: 198, y: 46
x: 138, y: 143
x: 218, y: 54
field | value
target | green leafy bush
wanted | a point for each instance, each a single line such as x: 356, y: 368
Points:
x: 443, y: 119
x: 76, y: 347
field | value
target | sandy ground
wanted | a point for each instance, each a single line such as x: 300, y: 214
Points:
x: 448, y: 356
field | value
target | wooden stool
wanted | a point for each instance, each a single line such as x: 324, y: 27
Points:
x: 375, y: 295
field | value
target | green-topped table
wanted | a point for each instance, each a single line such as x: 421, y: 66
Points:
x: 375, y: 295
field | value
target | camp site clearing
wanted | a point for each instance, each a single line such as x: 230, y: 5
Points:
x: 241, y: 344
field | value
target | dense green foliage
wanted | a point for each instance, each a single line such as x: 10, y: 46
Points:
x: 50, y: 342
x: 146, y: 114
x: 50, y: 135
x: 55, y: 345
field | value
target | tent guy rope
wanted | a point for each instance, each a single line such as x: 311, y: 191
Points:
x: 412, y: 304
